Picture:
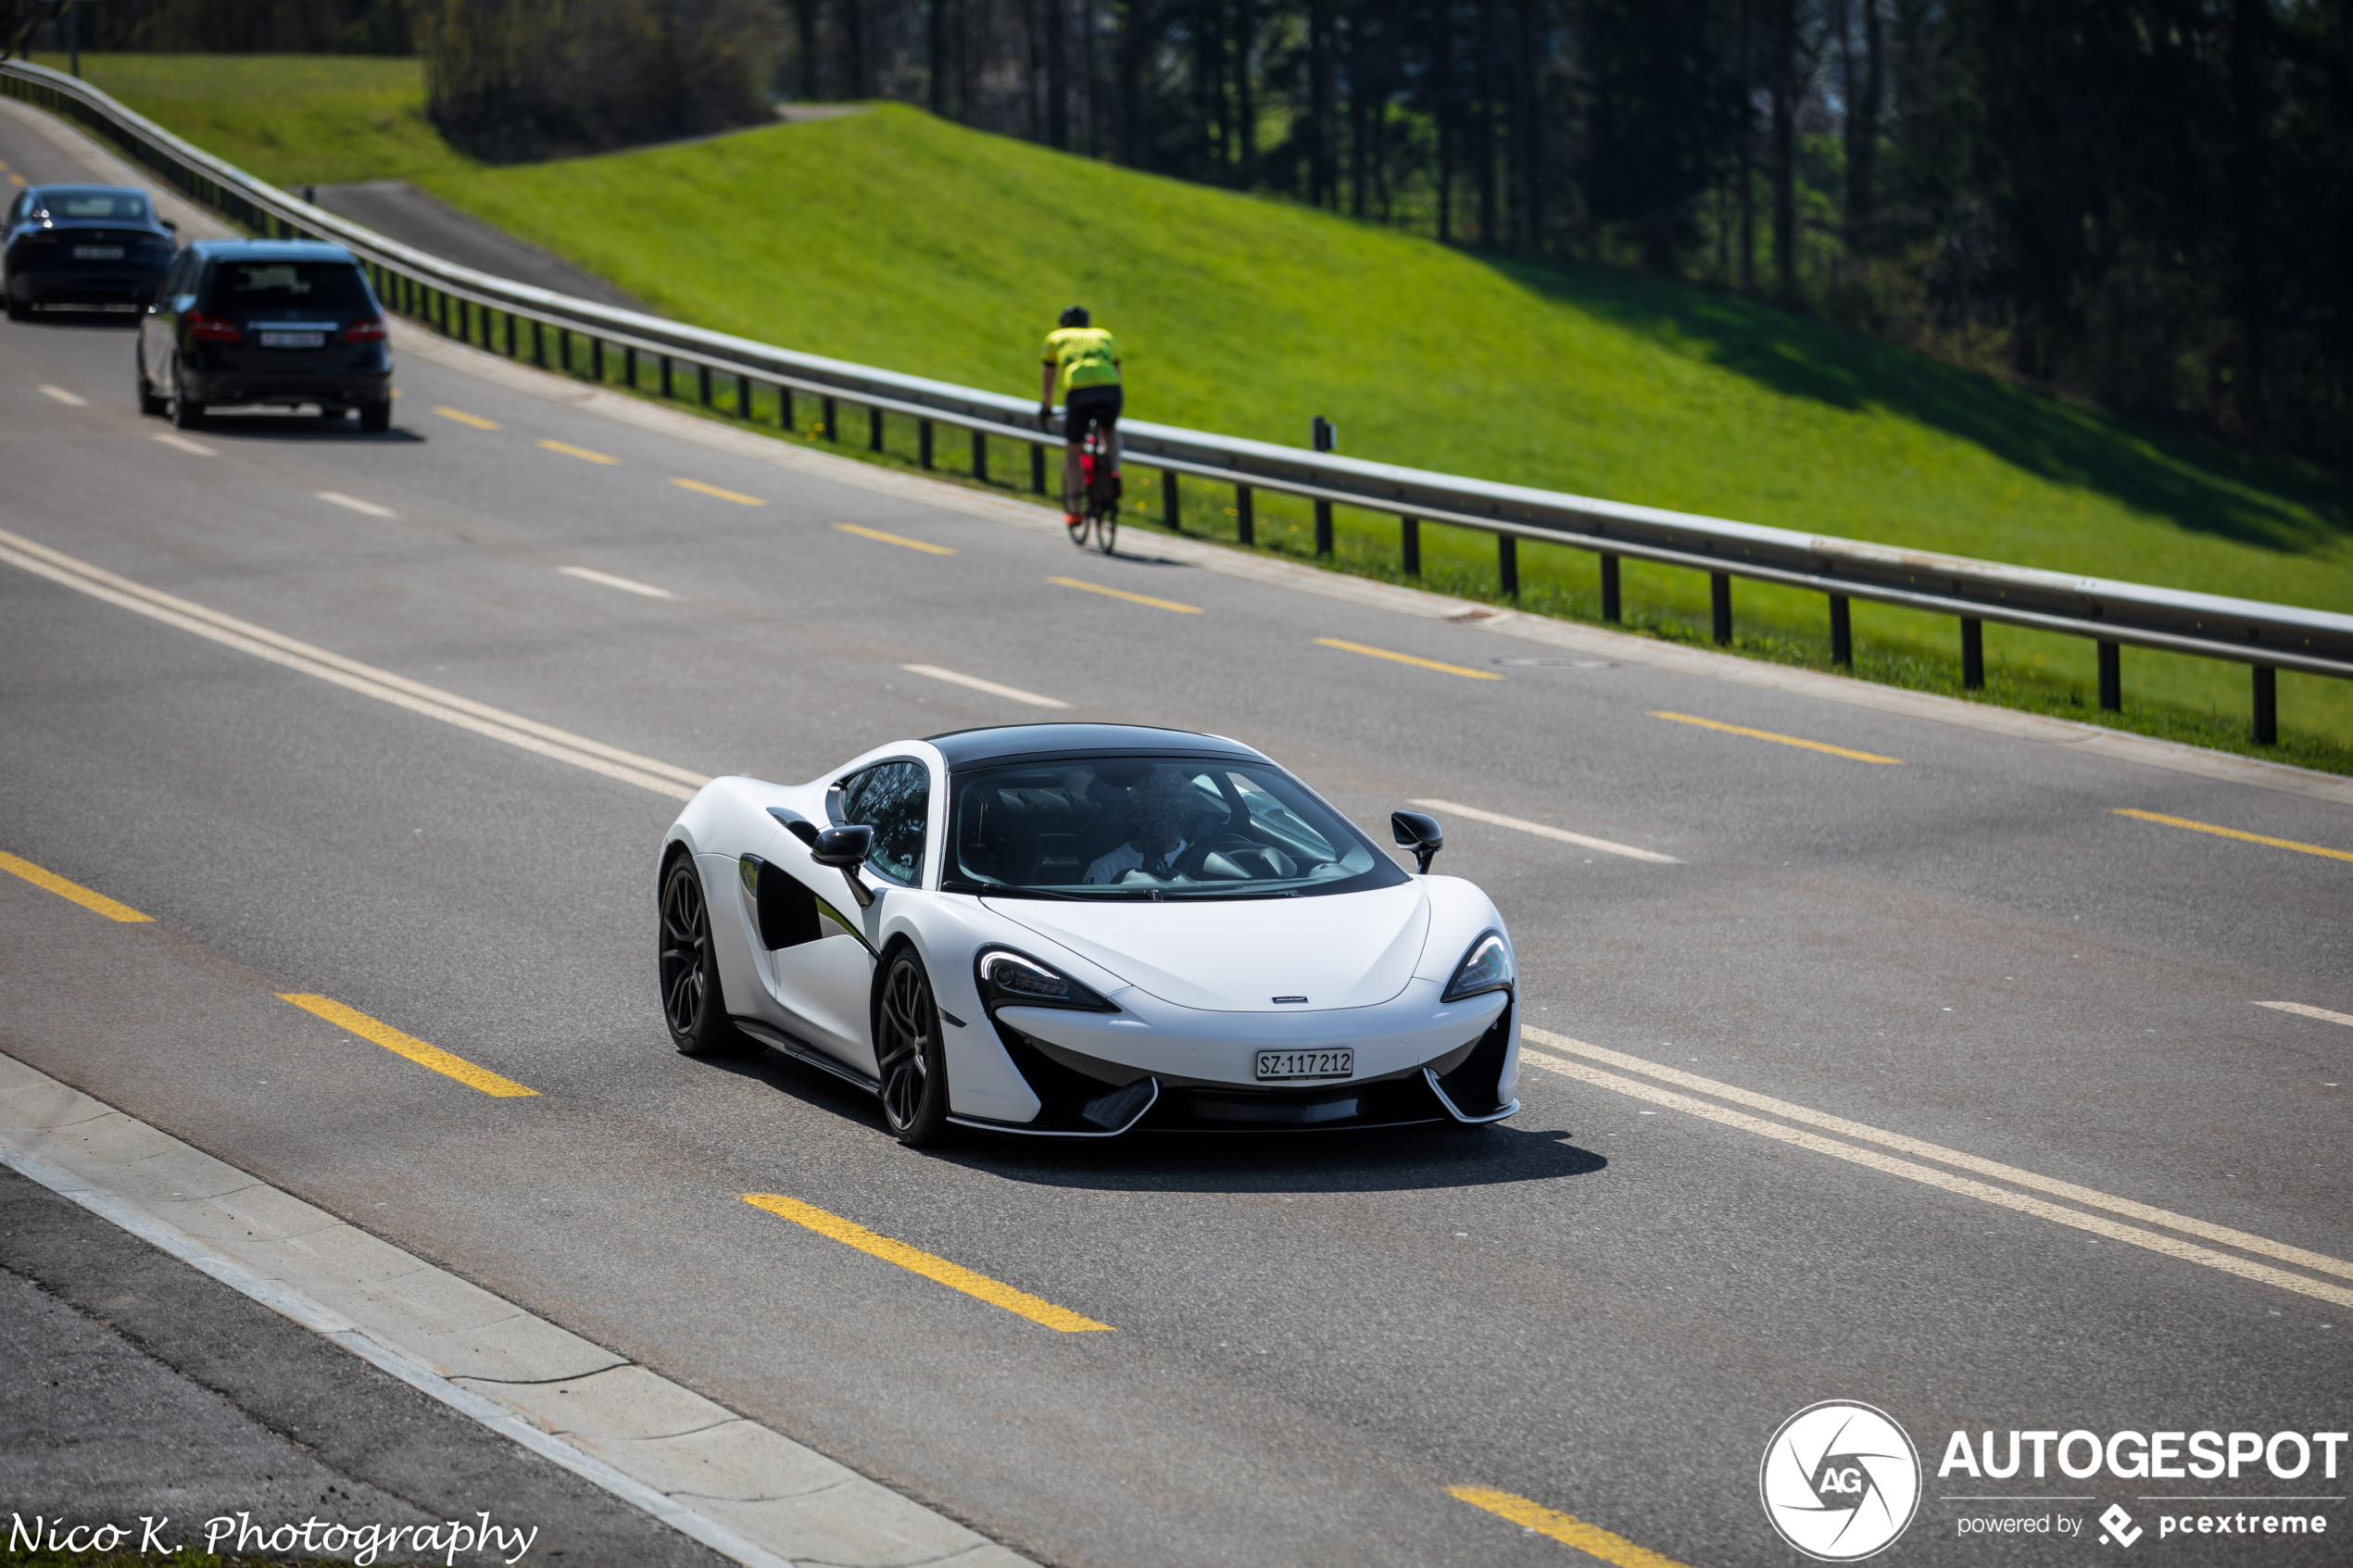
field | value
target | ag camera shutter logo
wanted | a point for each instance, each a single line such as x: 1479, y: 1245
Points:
x: 1839, y: 1481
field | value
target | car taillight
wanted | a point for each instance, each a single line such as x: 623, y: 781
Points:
x: 212, y: 329
x: 368, y: 329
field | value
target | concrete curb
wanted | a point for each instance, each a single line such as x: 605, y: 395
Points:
x: 744, y: 1491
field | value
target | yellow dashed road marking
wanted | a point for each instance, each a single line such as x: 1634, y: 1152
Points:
x: 586, y: 456
x: 1123, y: 593
x: 416, y: 1050
x: 1780, y: 740
x: 899, y: 539
x: 1414, y: 659
x: 465, y: 418
x: 953, y: 1275
x: 1565, y: 1528
x: 700, y: 488
x: 2233, y: 833
x: 73, y: 890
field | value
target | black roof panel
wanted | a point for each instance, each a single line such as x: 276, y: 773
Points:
x: 1006, y: 742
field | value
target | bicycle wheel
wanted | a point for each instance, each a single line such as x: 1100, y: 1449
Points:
x: 1106, y: 525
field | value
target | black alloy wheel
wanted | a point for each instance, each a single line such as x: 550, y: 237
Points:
x: 908, y: 1053
x: 186, y: 414
x: 692, y: 1001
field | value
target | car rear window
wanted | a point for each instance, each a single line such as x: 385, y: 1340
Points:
x: 310, y: 285
x: 118, y: 206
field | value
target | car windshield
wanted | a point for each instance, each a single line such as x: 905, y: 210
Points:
x: 276, y: 286
x: 1152, y: 827
x: 118, y: 206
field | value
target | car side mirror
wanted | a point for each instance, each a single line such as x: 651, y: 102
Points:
x: 1420, y: 832
x: 169, y: 224
x: 846, y: 849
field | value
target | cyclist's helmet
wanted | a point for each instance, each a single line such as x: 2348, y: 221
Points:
x: 1075, y: 317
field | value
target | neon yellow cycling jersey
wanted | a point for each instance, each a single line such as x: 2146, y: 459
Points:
x: 1083, y: 356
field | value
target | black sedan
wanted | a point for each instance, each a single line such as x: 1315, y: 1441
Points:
x: 286, y: 323
x: 83, y: 246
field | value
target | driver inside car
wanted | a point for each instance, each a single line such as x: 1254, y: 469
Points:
x: 1166, y: 813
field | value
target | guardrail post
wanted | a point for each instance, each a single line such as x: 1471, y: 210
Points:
x: 465, y: 320
x: 629, y: 366
x: 1409, y: 539
x: 1245, y: 525
x: 1507, y: 563
x: 1038, y: 468
x: 668, y: 385
x: 1609, y: 587
x: 1842, y: 632
x: 1972, y: 654
x: 874, y: 430
x: 1170, y: 512
x: 597, y: 360
x: 832, y: 433
x: 1323, y: 528
x: 511, y: 352
x: 563, y: 348
x: 2111, y: 678
x: 783, y: 406
x: 538, y: 344
x: 980, y: 456
x: 922, y: 441
x: 743, y: 396
x: 445, y: 312
x: 702, y: 385
x: 1720, y: 596
x: 2266, y: 705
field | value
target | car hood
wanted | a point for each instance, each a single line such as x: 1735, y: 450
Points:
x: 1339, y: 950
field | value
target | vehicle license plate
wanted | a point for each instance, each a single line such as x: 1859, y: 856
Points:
x: 293, y: 340
x: 97, y: 253
x: 1340, y: 1063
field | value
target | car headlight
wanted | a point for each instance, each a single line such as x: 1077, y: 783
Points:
x: 1012, y: 979
x: 1487, y: 967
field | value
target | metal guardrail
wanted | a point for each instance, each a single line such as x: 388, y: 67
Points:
x: 521, y: 320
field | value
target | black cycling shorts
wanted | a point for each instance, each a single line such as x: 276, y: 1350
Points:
x: 1090, y: 406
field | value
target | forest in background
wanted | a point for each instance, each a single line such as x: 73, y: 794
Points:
x: 2147, y: 204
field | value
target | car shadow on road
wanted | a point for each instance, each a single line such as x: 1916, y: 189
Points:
x: 273, y: 426
x: 1417, y: 1158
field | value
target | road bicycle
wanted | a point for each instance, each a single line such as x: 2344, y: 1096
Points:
x: 1099, y: 482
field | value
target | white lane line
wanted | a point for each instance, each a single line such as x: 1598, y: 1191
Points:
x: 366, y: 507
x: 71, y: 400
x: 2320, y: 1263
x: 182, y: 443
x: 1499, y: 820
x: 589, y: 575
x: 1012, y: 694
x: 663, y: 778
x: 2321, y: 1013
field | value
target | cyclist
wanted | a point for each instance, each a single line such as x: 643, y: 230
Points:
x: 1082, y: 367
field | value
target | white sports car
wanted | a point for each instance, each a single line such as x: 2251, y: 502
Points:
x: 1075, y: 930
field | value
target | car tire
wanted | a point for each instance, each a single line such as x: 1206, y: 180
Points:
x: 186, y: 413
x: 910, y: 1057
x: 148, y: 402
x: 693, y: 1003
x: 375, y: 418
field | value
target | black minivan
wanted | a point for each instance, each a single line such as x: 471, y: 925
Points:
x: 286, y: 323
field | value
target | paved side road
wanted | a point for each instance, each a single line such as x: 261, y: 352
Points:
x: 133, y: 1386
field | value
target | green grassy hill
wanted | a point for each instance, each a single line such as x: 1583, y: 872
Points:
x: 897, y: 240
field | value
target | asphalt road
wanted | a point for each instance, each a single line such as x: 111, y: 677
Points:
x: 1604, y: 1306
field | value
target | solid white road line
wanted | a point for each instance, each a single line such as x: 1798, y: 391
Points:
x: 71, y: 400
x: 2321, y: 1013
x: 1013, y: 694
x: 663, y: 778
x: 589, y: 575
x: 181, y: 443
x: 2091, y: 1197
x: 1603, y: 845
x: 355, y: 503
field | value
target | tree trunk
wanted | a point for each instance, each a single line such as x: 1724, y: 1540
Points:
x: 1057, y: 25
x: 853, y: 43
x: 1482, y: 147
x: 1323, y: 177
x: 1245, y: 103
x: 1531, y: 132
x: 2250, y: 173
x: 1747, y: 134
x: 804, y: 16
x: 1863, y: 97
x: 935, y: 40
x: 1780, y: 75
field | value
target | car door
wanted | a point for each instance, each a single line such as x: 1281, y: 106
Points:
x: 824, y: 973
x: 159, y: 328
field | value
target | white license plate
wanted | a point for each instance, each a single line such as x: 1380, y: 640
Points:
x: 1273, y: 1065
x: 97, y: 253
x: 293, y: 340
